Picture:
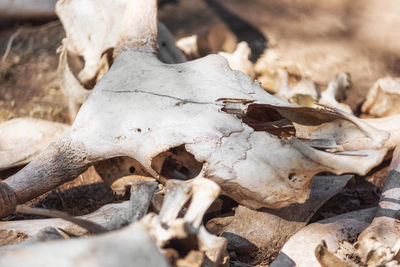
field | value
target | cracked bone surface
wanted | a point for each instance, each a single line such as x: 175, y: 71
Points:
x: 336, y: 92
x: 333, y: 230
x: 270, y: 229
x: 239, y: 59
x: 199, y: 118
x: 116, y: 248
x: 305, y: 92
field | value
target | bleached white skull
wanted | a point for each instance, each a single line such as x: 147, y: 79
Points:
x: 199, y: 119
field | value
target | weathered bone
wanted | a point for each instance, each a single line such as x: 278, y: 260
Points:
x: 109, y: 217
x: 336, y: 92
x: 327, y: 258
x: 299, y: 250
x: 385, y: 228
x: 134, y: 239
x: 383, y: 98
x: 270, y: 63
x: 117, y: 248
x: 23, y: 139
x: 261, y: 150
x: 389, y: 124
x: 239, y: 59
x: 266, y: 230
x: 305, y: 92
x: 96, y: 42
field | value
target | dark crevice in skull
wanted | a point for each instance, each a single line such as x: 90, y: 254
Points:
x: 176, y: 163
x: 223, y: 206
x: 185, y: 245
x: 186, y: 252
x: 77, y: 63
x: 268, y: 120
x: 114, y: 168
x: 132, y: 169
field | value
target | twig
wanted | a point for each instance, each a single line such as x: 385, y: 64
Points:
x: 86, y: 224
x: 9, y: 44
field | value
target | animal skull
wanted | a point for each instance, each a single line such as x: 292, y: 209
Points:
x: 161, y: 229
x: 198, y: 119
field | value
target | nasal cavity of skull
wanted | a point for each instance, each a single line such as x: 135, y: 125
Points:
x: 266, y: 119
x: 176, y: 163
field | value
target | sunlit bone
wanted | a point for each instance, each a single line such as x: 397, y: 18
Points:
x: 379, y: 243
x: 383, y: 98
x: 333, y: 230
x: 95, y: 43
x: 22, y: 139
x: 159, y: 229
x: 261, y: 150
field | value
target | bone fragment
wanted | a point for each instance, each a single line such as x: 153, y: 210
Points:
x: 22, y: 139
x: 383, y: 98
x: 384, y: 232
x: 97, y: 40
x: 134, y: 243
x: 389, y: 124
x: 168, y: 226
x: 110, y: 217
x: 299, y: 250
x: 239, y: 59
x: 220, y: 117
x: 117, y: 248
x: 268, y: 66
x: 268, y: 230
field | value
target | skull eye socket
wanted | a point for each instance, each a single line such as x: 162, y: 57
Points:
x: 176, y: 163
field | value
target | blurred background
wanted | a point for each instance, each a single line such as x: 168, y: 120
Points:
x: 323, y: 37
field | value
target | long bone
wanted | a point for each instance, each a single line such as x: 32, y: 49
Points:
x: 261, y: 150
